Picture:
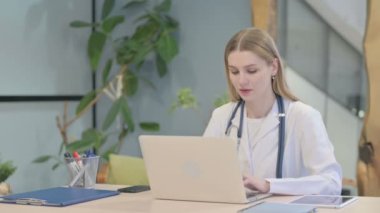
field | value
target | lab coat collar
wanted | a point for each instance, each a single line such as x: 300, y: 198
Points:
x: 270, y: 122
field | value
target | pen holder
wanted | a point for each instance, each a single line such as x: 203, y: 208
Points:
x: 83, y: 171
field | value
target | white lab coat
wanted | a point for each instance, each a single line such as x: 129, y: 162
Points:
x: 309, y: 164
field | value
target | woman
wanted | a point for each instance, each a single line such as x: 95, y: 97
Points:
x: 272, y: 117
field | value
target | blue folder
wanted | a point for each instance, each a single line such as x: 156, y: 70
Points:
x: 58, y: 196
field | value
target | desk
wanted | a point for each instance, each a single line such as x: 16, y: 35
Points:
x: 143, y: 202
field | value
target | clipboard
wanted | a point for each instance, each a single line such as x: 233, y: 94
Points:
x: 278, y: 207
x: 326, y: 201
x: 58, y: 196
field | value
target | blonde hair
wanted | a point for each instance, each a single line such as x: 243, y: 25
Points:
x: 260, y: 43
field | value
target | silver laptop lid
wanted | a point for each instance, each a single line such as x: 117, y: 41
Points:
x: 193, y: 168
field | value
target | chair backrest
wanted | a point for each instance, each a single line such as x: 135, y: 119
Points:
x: 126, y: 170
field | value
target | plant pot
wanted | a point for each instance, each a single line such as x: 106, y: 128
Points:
x: 102, y: 173
x: 5, y: 188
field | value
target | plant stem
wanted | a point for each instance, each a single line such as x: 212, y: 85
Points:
x: 64, y: 125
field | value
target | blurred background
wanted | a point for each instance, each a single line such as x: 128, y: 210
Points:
x: 44, y: 63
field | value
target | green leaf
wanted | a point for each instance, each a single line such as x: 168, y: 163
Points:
x: 96, y: 137
x: 123, y: 133
x: 146, y: 32
x: 133, y: 3
x: 101, y: 142
x: 107, y: 8
x: 150, y: 126
x: 167, y: 47
x: 95, y: 46
x: 79, y: 146
x: 130, y: 83
x: 161, y: 66
x: 42, y: 159
x: 110, y: 23
x: 221, y: 100
x: 127, y: 115
x: 151, y: 16
x: 164, y: 6
x: 185, y: 100
x: 6, y: 170
x: 93, y: 135
x: 55, y: 166
x: 140, y: 55
x: 111, y: 115
x: 85, y: 101
x: 170, y: 24
x: 79, y: 24
x: 127, y: 51
x: 140, y: 18
x: 106, y: 71
x: 173, y: 107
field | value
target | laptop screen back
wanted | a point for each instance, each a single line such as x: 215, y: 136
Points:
x: 193, y: 168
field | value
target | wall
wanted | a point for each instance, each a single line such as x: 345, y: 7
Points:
x: 40, y: 55
x: 39, y: 51
x: 319, y: 53
x: 353, y: 12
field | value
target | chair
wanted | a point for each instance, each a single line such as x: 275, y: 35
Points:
x: 126, y: 170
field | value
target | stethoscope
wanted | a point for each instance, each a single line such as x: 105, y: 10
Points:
x: 281, y: 132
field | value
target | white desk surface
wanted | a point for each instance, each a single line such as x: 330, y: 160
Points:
x: 143, y: 202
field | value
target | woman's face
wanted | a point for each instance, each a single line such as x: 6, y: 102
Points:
x: 251, y: 75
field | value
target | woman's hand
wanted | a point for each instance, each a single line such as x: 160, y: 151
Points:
x: 255, y: 183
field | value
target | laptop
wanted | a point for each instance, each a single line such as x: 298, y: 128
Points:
x: 194, y: 169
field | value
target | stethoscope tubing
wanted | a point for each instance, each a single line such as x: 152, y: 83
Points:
x: 281, y: 130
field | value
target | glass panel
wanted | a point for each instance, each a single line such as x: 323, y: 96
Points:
x: 319, y: 54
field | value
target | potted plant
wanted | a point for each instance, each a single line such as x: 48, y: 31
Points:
x: 152, y: 40
x: 6, y: 170
x: 187, y: 100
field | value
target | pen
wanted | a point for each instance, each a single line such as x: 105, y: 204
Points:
x: 89, y: 153
x: 79, y: 163
x: 78, y: 159
x: 79, y: 175
x: 71, y: 164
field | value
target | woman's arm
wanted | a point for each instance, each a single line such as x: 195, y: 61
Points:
x: 319, y: 172
x: 323, y: 173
